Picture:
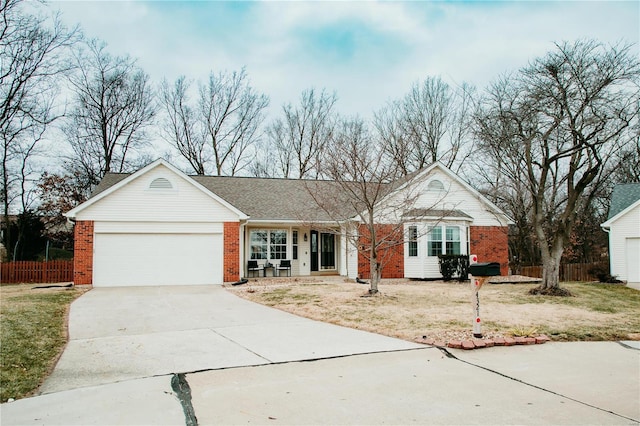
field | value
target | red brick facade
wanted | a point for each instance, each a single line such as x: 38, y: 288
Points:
x: 83, y: 252
x: 231, y: 261
x: 390, y: 253
x: 491, y: 244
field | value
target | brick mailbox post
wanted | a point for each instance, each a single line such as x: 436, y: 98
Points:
x: 478, y: 274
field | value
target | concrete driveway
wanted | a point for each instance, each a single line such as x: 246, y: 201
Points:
x: 119, y: 334
x: 200, y: 355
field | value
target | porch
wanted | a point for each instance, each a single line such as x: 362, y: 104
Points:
x: 310, y: 251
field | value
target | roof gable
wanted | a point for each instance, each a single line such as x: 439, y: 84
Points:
x: 277, y: 199
x: 426, y: 175
x: 112, y: 183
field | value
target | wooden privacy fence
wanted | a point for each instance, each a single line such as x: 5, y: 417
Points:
x: 569, y: 271
x: 53, y: 271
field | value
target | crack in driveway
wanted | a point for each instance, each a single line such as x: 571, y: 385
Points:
x: 452, y: 356
x: 182, y: 390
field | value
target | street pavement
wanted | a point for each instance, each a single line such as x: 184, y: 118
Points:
x: 200, y: 355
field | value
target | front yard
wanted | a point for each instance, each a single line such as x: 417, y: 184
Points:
x: 33, y: 334
x: 33, y: 322
x: 443, y: 311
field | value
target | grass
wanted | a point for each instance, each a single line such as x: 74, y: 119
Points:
x: 32, y: 335
x: 33, y: 322
x: 412, y: 309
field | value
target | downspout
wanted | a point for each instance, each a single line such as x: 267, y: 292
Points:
x: 243, y: 224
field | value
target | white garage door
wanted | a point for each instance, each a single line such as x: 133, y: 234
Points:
x: 157, y: 259
x: 633, y: 262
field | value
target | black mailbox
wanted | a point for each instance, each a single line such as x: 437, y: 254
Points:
x: 487, y: 269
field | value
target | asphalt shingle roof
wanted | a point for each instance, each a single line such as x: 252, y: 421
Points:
x: 274, y: 199
x: 266, y: 198
x: 623, y: 196
x: 436, y: 213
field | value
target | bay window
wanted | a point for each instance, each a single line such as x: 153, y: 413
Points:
x: 443, y: 243
x: 434, y: 241
x: 413, y: 241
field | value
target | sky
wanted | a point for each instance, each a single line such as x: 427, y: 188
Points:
x: 368, y: 52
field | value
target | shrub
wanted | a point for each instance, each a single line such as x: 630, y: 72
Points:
x: 454, y: 265
x: 603, y: 275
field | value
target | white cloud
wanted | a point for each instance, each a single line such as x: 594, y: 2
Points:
x: 472, y: 42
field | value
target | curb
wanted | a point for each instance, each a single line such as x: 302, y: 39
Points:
x: 486, y: 343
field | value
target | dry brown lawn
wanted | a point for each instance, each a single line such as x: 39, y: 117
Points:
x: 443, y: 311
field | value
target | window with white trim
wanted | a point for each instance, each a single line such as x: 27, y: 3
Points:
x: 453, y: 240
x: 294, y: 245
x: 413, y: 241
x: 434, y: 241
x: 258, y: 243
x: 268, y: 244
x: 447, y: 242
x: 278, y: 244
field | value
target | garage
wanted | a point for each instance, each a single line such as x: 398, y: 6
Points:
x: 155, y: 227
x: 157, y: 259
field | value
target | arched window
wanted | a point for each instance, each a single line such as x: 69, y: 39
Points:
x: 436, y: 186
x: 160, y: 183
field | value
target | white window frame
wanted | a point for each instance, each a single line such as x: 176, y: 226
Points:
x: 270, y: 249
x: 444, y: 240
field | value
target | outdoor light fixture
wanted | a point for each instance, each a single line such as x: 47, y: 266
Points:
x: 305, y: 237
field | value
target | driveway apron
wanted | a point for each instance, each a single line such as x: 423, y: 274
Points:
x: 118, y: 334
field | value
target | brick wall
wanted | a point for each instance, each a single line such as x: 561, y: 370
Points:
x: 390, y: 253
x: 231, y: 262
x: 491, y: 244
x: 83, y: 252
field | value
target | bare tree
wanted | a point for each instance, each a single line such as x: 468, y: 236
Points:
x: 301, y: 136
x: 431, y: 123
x: 111, y: 108
x: 363, y: 178
x: 232, y: 112
x: 551, y: 130
x: 32, y: 58
x: 182, y: 126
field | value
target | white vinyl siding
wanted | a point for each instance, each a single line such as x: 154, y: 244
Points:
x: 454, y: 196
x: 623, y: 228
x: 136, y: 202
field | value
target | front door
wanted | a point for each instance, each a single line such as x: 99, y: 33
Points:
x: 314, y: 251
x: 328, y: 252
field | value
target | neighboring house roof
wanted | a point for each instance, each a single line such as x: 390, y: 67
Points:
x: 623, y: 199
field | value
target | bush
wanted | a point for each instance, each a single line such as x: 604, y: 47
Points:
x: 603, y: 275
x: 454, y: 265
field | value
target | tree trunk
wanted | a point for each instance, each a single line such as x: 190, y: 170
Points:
x: 551, y: 273
x: 374, y: 267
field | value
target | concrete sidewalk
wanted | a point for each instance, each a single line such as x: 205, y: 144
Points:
x: 422, y: 386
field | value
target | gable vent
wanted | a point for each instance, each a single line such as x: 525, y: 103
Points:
x: 436, y: 185
x: 160, y: 183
